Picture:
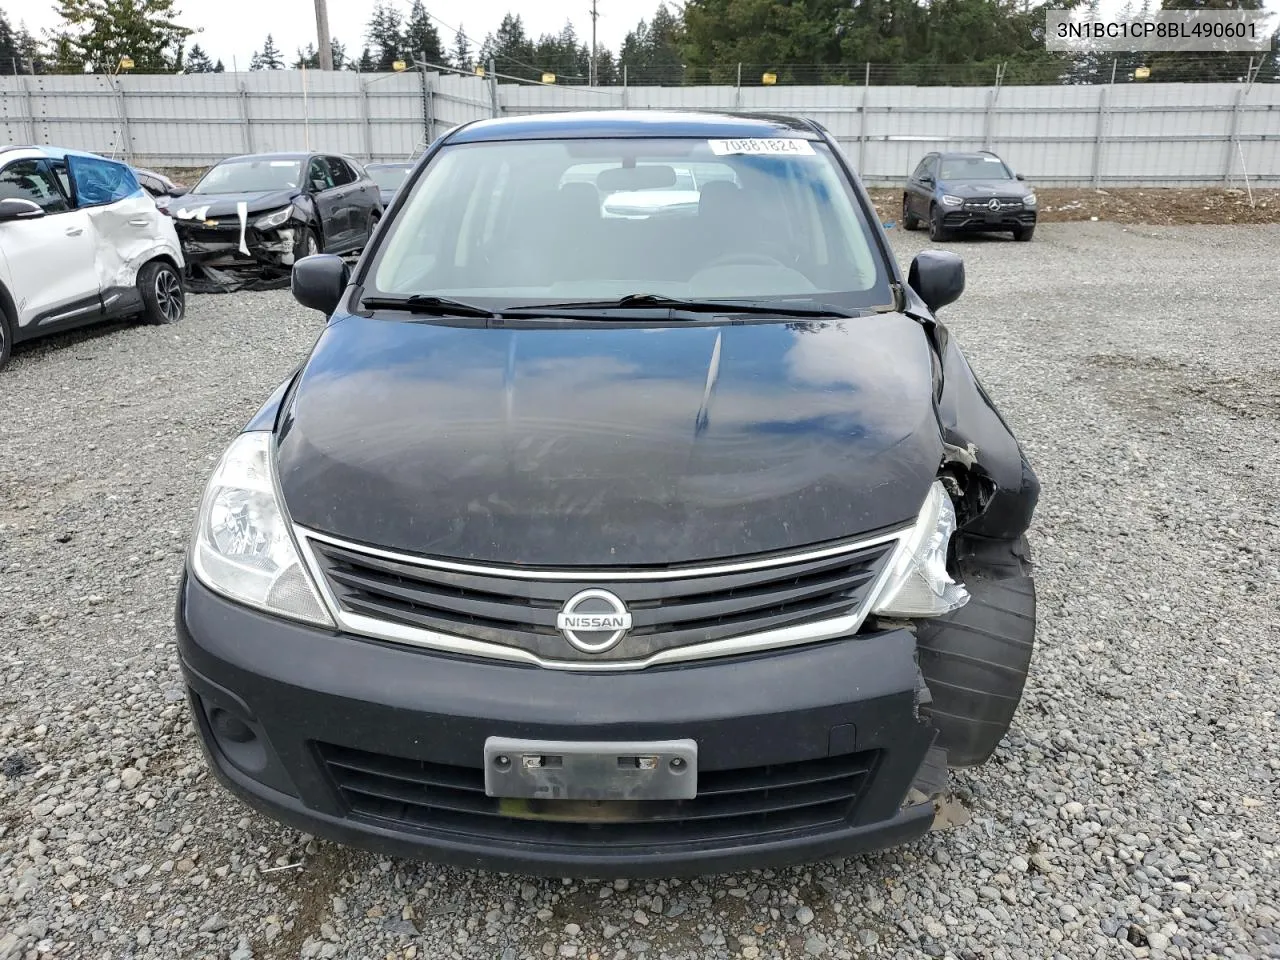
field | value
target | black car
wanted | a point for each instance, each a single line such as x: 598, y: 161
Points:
x: 962, y: 192
x: 260, y: 213
x: 389, y: 177
x: 590, y: 544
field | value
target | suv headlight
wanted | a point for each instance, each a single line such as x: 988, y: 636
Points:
x: 1029, y: 200
x: 918, y: 584
x: 951, y: 201
x: 242, y: 546
x: 273, y: 220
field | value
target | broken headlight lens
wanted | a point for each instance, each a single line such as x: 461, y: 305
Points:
x: 273, y: 220
x: 918, y: 584
x: 242, y: 547
x: 951, y: 201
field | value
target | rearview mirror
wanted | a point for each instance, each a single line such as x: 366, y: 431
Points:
x: 937, y: 277
x: 648, y: 177
x: 319, y: 280
x: 16, y: 208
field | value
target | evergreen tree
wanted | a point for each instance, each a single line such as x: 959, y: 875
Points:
x: 1193, y: 65
x: 268, y: 58
x: 95, y: 34
x: 384, y: 36
x: 219, y: 68
x: 9, y: 55
x: 198, y: 61
x: 651, y: 52
x: 366, y: 63
x: 511, y: 49
x: 461, y: 56
x: 30, y: 56
x: 309, y: 58
x: 421, y: 38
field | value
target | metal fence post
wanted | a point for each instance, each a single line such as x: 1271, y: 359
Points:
x: 124, y: 120
x: 987, y: 119
x: 1100, y: 134
x: 246, y: 127
x: 428, y: 104
x: 737, y: 93
x: 364, y: 115
x: 1234, y: 139
x: 31, y: 110
x: 862, y: 128
x: 493, y: 89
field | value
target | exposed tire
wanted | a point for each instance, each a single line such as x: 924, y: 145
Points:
x: 6, y: 339
x: 307, y: 244
x: 1024, y: 233
x: 937, y: 233
x: 164, y: 299
x: 909, y: 220
x: 975, y: 661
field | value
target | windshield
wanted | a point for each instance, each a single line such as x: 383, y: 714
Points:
x: 251, y: 176
x: 974, y: 168
x: 388, y: 178
x: 505, y: 223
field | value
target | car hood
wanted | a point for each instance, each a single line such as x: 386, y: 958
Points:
x: 203, y: 205
x: 985, y: 188
x: 604, y: 445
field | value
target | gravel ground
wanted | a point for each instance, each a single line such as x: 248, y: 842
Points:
x: 1131, y: 811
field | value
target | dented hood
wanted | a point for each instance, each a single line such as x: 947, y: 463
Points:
x: 603, y: 445
x: 206, y: 205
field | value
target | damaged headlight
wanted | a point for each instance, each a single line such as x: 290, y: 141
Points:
x: 918, y: 584
x: 242, y: 546
x: 273, y: 220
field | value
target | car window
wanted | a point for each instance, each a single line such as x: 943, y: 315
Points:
x: 530, y: 221
x: 100, y: 181
x: 250, y: 175
x: 342, y: 174
x: 922, y: 168
x: 30, y: 180
x: 975, y: 168
x: 389, y: 178
x: 318, y: 175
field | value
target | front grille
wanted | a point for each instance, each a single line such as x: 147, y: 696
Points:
x: 498, y: 606
x: 984, y: 206
x: 746, y: 803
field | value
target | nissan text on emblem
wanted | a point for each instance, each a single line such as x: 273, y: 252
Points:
x: 593, y: 620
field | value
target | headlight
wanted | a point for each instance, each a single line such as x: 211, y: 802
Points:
x: 1029, y: 200
x: 272, y: 220
x: 951, y: 201
x: 918, y: 584
x: 242, y: 546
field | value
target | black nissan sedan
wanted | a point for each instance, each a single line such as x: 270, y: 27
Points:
x: 584, y: 544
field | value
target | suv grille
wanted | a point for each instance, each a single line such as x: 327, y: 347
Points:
x: 749, y: 802
x: 984, y: 205
x: 507, y: 608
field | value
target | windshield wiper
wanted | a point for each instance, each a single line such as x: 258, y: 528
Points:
x: 428, y: 306
x: 641, y: 301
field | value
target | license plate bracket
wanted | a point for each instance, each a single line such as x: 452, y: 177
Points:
x: 591, y: 770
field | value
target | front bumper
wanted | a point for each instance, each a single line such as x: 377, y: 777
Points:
x: 986, y: 220
x: 803, y: 755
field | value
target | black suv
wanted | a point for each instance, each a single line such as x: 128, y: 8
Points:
x: 956, y: 192
x: 675, y: 539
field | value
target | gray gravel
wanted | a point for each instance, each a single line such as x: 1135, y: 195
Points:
x: 1131, y: 812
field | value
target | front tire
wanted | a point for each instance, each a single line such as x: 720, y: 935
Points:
x: 909, y: 220
x: 307, y: 245
x: 164, y: 300
x: 937, y: 232
x: 6, y: 339
x: 1024, y: 234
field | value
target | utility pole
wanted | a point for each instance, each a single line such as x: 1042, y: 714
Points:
x: 322, y: 35
x: 595, y: 14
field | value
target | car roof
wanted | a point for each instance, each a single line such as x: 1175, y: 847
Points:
x: 283, y: 155
x: 393, y: 164
x: 633, y: 123
x: 969, y: 155
x: 54, y: 153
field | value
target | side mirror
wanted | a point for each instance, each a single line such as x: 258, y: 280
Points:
x: 318, y: 281
x: 178, y: 190
x: 16, y: 208
x: 927, y: 180
x: 936, y: 276
x: 1019, y: 176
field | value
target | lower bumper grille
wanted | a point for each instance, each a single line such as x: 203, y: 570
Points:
x: 421, y: 796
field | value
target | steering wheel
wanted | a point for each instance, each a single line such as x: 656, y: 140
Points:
x: 744, y: 258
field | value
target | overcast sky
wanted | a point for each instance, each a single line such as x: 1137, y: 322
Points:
x: 236, y: 28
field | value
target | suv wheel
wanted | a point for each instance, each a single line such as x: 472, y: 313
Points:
x: 937, y: 233
x: 307, y: 246
x: 6, y: 339
x: 1023, y: 233
x: 163, y: 299
x: 909, y: 220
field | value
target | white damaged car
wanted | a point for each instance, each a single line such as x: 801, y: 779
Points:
x: 80, y: 242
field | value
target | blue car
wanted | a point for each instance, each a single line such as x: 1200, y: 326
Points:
x: 968, y: 192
